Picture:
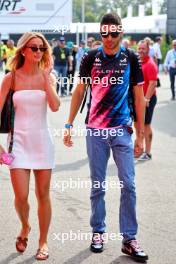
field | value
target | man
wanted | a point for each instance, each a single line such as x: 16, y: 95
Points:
x: 126, y: 43
x: 90, y: 42
x: 170, y: 66
x: 2, y: 53
x: 109, y: 111
x: 10, y: 52
x: 149, y: 69
x: 157, y: 49
x: 81, y: 51
x: 62, y: 60
x: 151, y: 49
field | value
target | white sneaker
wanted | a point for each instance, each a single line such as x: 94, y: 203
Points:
x: 145, y: 157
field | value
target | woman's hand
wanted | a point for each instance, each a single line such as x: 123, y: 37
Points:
x: 2, y: 150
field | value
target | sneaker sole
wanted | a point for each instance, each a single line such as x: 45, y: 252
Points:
x: 94, y: 250
x: 138, y: 259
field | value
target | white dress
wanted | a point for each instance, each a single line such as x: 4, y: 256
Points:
x: 33, y: 147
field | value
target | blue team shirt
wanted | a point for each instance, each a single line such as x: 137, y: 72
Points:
x: 110, y: 78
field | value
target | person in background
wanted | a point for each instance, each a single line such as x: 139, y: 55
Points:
x: 53, y: 43
x: 71, y: 73
x: 10, y: 52
x: 126, y: 43
x: 2, y: 53
x: 170, y: 66
x: 81, y: 50
x: 157, y: 49
x: 62, y: 62
x: 96, y: 44
x: 151, y: 48
x: 90, y: 42
x: 150, y: 72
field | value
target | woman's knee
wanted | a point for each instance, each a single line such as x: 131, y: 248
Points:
x: 43, y: 195
x: 21, y: 199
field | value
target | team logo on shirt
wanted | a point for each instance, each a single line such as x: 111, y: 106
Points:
x: 97, y: 62
x: 123, y: 62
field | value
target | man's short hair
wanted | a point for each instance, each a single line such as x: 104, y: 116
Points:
x: 111, y: 19
x: 143, y: 41
x: 157, y: 39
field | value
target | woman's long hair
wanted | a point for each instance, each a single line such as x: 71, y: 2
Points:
x: 18, y: 60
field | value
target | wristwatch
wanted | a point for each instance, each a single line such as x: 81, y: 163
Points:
x: 68, y: 126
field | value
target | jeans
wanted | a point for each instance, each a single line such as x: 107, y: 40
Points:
x: 62, y: 73
x: 98, y: 149
x: 172, y: 73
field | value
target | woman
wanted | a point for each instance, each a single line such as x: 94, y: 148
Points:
x: 34, y: 88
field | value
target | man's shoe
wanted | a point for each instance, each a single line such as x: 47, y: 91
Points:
x: 96, y: 245
x: 133, y: 249
x: 144, y: 157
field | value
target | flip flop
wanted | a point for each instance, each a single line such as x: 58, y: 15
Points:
x: 21, y: 243
x: 42, y: 254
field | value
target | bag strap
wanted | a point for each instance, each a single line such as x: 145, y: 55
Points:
x: 12, y: 86
x: 84, y: 100
x: 92, y: 53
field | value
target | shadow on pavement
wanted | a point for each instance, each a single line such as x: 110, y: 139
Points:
x: 9, y: 258
x: 71, y: 166
x: 28, y: 261
x: 80, y: 257
x: 123, y: 260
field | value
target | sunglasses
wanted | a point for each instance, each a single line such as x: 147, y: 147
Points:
x: 35, y: 49
x: 106, y: 34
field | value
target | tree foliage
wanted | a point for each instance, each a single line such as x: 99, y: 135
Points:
x: 94, y: 9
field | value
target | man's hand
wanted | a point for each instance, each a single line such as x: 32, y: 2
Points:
x: 138, y: 146
x: 67, y: 138
x: 70, y: 68
x: 147, y: 101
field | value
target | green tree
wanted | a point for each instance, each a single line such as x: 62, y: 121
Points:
x: 94, y: 9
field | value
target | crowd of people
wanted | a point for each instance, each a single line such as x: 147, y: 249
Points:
x: 129, y: 94
x: 67, y: 57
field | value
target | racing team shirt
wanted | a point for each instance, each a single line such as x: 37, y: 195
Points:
x: 110, y: 78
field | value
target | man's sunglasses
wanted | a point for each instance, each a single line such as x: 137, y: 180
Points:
x: 106, y: 34
x: 35, y: 49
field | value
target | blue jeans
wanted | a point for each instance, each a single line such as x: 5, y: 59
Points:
x: 62, y: 73
x: 172, y: 73
x: 98, y: 149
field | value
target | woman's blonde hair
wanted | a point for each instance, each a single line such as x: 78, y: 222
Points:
x: 18, y: 60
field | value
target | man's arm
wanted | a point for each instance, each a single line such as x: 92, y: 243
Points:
x: 150, y: 91
x: 166, y: 62
x: 139, y: 101
x: 140, y: 104
x: 76, y: 101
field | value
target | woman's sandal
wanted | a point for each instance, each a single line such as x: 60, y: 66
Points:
x: 42, y: 254
x: 21, y: 243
